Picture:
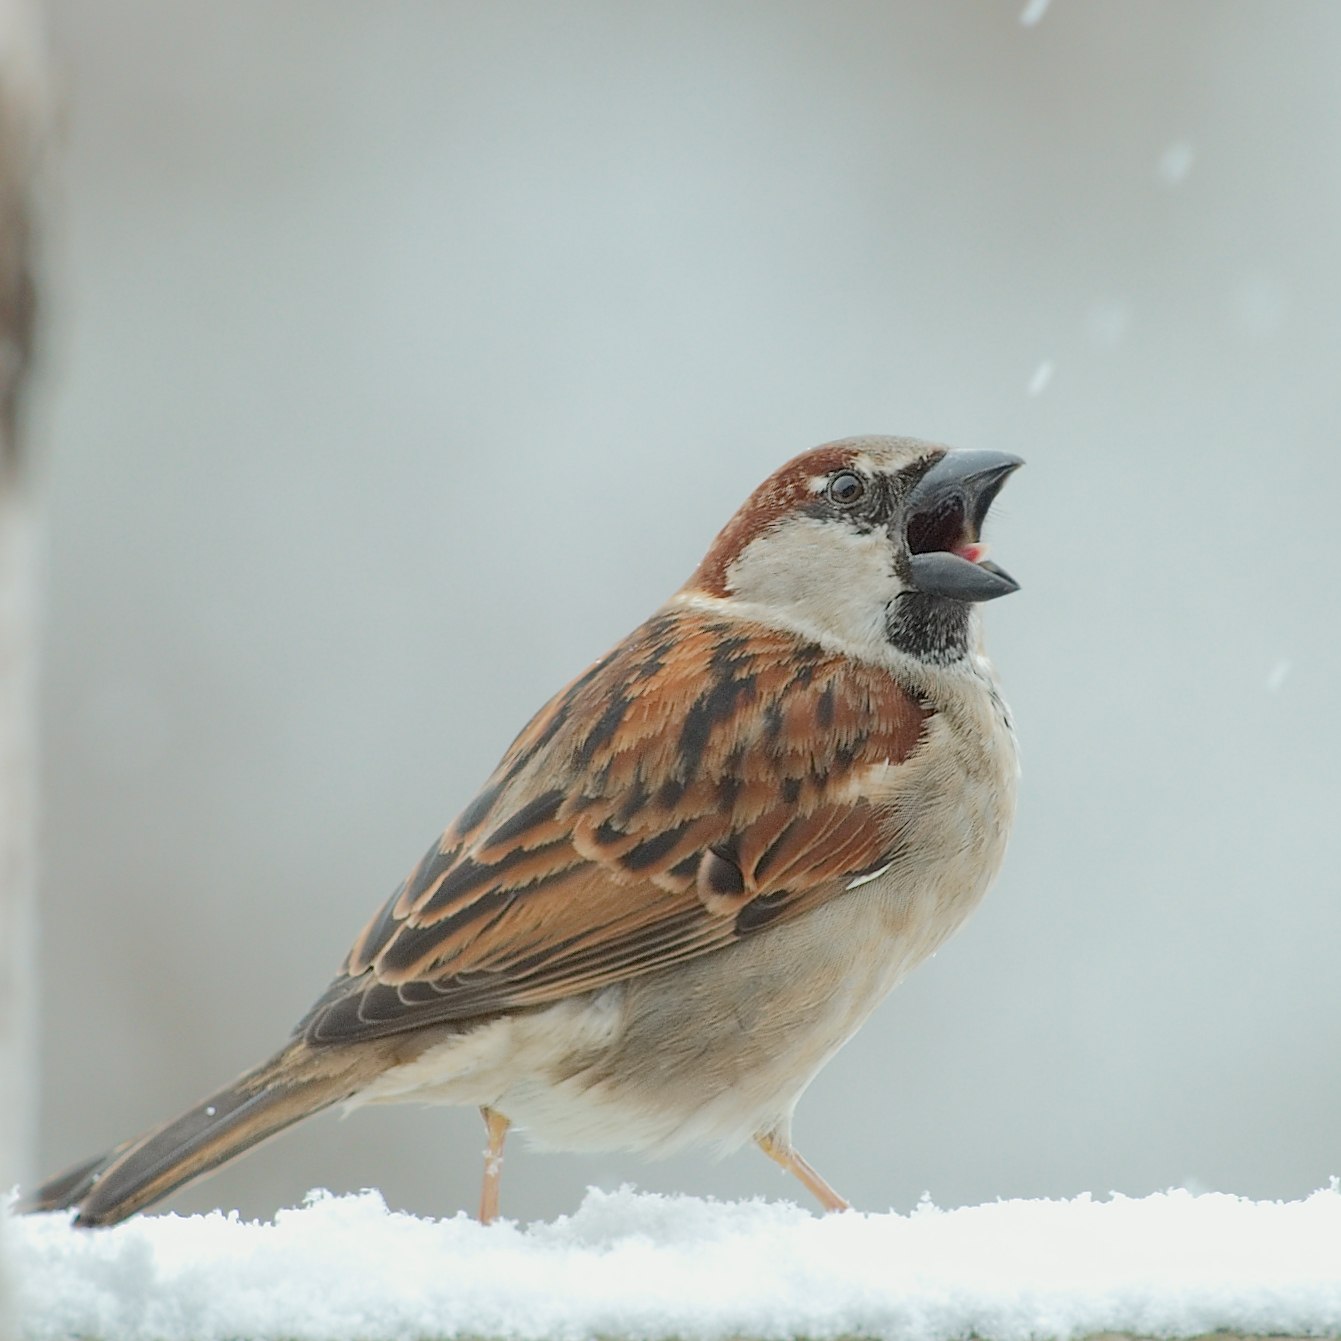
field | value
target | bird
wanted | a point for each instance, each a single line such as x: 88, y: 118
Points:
x: 696, y: 870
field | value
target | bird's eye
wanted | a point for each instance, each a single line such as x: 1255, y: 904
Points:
x: 846, y: 488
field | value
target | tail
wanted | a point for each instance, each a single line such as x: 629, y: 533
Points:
x: 294, y: 1083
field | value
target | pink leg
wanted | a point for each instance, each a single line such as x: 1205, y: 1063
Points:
x: 497, y: 1126
x: 781, y: 1152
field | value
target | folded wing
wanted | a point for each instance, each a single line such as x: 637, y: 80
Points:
x: 705, y: 779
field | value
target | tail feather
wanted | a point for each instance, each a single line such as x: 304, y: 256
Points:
x: 293, y: 1084
x: 69, y: 1188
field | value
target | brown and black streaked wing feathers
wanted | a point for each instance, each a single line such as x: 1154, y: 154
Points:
x: 581, y: 862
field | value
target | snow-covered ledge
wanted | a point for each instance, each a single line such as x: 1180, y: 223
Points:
x: 634, y: 1265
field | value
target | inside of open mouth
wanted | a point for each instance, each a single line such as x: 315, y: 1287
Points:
x: 939, y: 528
x: 944, y: 528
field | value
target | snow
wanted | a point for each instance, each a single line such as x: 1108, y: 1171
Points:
x: 631, y: 1265
x: 1260, y: 305
x: 1108, y: 323
x: 1277, y: 675
x: 1033, y: 11
x: 1042, y: 376
x: 1176, y: 162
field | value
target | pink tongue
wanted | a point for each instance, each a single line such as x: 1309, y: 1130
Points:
x: 975, y: 551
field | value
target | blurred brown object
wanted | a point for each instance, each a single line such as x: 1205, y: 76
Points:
x: 22, y: 103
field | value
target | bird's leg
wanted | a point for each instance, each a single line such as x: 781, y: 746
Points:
x: 497, y: 1126
x: 779, y: 1149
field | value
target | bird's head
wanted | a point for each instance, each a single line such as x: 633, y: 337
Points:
x: 868, y: 542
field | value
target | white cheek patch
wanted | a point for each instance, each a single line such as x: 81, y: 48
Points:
x: 820, y: 575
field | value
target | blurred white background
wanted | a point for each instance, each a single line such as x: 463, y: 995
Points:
x: 403, y: 356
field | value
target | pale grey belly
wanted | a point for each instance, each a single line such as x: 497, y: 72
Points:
x: 715, y: 1050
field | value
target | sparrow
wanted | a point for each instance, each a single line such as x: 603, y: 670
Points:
x: 697, y: 869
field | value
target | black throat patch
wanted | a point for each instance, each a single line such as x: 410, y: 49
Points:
x: 930, y: 628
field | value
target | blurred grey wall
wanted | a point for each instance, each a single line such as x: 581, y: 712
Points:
x: 407, y: 354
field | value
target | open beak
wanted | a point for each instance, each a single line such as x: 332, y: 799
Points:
x: 946, y: 510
